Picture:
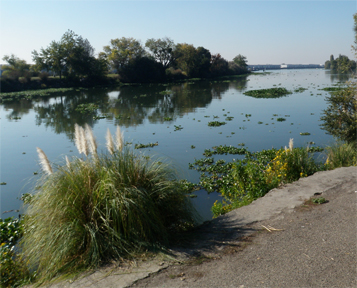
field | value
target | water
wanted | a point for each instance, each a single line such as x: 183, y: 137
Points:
x: 142, y: 113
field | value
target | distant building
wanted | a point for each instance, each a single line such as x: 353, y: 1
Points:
x: 284, y: 66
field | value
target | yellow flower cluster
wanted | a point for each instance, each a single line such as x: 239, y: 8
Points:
x: 276, y: 170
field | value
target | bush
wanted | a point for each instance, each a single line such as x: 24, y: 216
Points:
x: 101, y: 208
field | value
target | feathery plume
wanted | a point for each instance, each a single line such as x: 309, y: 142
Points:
x: 77, y: 138
x: 45, y: 164
x: 91, y: 140
x: 286, y: 150
x: 119, y: 139
x: 83, y: 140
x: 68, y: 163
x: 291, y: 144
x: 110, y: 142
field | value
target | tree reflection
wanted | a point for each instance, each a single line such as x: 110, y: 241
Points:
x: 127, y: 106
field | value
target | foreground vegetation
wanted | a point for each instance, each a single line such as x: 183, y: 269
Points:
x: 73, y: 222
x: 100, y: 208
x: 242, y: 181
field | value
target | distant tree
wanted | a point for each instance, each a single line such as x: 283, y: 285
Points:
x: 219, y: 65
x: 71, y: 56
x: 51, y: 59
x: 121, y: 51
x: 193, y: 62
x: 342, y: 64
x: 15, y: 67
x: 327, y: 64
x: 162, y: 50
x: 144, y: 69
x: 241, y: 61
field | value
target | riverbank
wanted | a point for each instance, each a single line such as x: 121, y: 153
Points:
x: 23, y: 85
x: 315, y: 247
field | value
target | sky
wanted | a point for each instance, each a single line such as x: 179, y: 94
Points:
x: 265, y: 32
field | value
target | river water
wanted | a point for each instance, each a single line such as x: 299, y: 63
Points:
x: 176, y: 119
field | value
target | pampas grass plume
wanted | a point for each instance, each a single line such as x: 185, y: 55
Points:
x: 84, y: 144
x: 45, y: 164
x: 77, y: 138
x: 91, y: 140
x: 291, y: 144
x: 68, y: 163
x: 110, y: 142
x: 119, y: 139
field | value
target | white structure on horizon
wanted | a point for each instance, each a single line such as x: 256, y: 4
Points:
x: 284, y: 66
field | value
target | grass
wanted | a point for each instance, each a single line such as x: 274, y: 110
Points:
x: 100, y: 208
x: 341, y: 155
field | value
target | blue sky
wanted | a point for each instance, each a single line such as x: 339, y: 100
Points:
x: 265, y: 32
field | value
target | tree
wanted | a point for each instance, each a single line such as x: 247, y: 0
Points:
x: 340, y: 117
x: 144, y: 69
x: 51, y: 59
x: 122, y: 50
x: 219, y: 65
x: 241, y: 61
x: 15, y: 67
x: 71, y: 56
x: 194, y: 62
x: 162, y: 50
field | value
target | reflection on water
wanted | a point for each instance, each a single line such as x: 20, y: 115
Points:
x: 149, y: 113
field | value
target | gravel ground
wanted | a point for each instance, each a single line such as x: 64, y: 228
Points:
x: 316, y: 247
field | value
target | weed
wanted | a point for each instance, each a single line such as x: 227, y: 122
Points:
x: 320, y: 200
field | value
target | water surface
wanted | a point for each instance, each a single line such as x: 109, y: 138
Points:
x: 143, y: 111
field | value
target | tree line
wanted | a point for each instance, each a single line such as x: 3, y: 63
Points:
x: 72, y: 58
x: 341, y: 64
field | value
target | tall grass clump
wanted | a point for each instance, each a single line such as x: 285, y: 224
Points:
x: 100, y: 208
x: 341, y: 155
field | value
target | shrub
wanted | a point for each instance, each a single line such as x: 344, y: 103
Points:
x: 101, y: 208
